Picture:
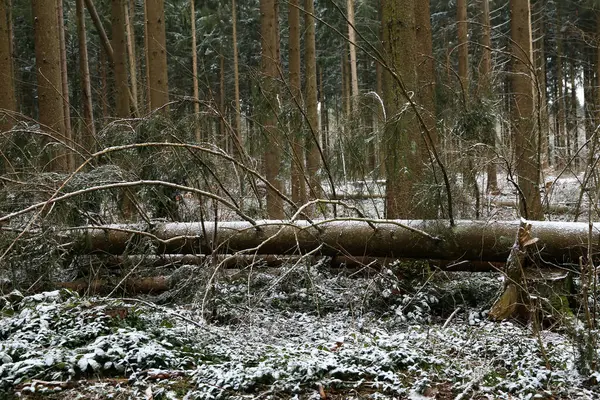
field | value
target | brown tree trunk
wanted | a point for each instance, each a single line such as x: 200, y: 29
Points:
x: 237, y: 140
x: 463, y: 46
x: 539, y: 34
x: 352, y: 52
x: 222, y: 117
x: 523, y: 113
x: 485, y: 90
x: 197, y: 131
x: 88, y: 140
x: 49, y: 79
x: 157, y: 55
x: 297, y: 149
x: 559, y: 140
x: 65, y: 84
x: 7, y: 88
x: 269, y: 27
x: 89, y: 4
x: 403, y: 140
x: 119, y: 46
x: 132, y: 59
x: 558, y: 242
x: 313, y: 157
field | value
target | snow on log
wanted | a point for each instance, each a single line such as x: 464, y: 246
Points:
x: 559, y: 242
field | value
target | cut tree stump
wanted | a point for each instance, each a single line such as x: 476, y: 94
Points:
x: 529, y: 289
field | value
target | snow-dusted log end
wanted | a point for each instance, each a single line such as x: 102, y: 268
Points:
x: 559, y: 242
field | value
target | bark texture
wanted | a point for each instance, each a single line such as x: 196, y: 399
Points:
x: 157, y: 54
x: 313, y: 157
x: 7, y: 89
x: 559, y: 242
x: 526, y: 137
x: 119, y: 46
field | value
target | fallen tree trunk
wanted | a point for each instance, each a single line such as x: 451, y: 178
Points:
x: 274, y: 261
x: 559, y: 242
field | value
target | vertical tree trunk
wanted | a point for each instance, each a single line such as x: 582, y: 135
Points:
x: 559, y: 139
x: 238, y: 142
x: 574, y: 118
x: 404, y: 166
x: 7, y: 88
x: 485, y: 90
x: 88, y: 139
x: 297, y: 149
x: 103, y: 84
x: 323, y: 126
x: 463, y: 46
x: 49, y: 79
x: 353, y: 66
x: 313, y: 158
x: 197, y: 131
x: 539, y: 33
x: 65, y: 84
x: 119, y: 46
x: 157, y: 55
x: 269, y: 27
x: 132, y: 58
x: 222, y: 117
x: 523, y: 113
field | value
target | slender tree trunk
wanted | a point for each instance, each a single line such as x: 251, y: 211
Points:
x: 560, y: 131
x: 574, y: 118
x: 119, y: 46
x: 157, y: 54
x: 237, y: 140
x: 313, y: 158
x: 89, y: 131
x: 132, y: 58
x: 539, y: 33
x: 89, y: 4
x: 103, y: 84
x: 353, y: 67
x: 198, y: 132
x: 323, y: 126
x: 485, y: 73
x: 403, y: 140
x: 523, y: 112
x: 7, y: 88
x: 463, y: 46
x: 269, y: 27
x: 49, y: 79
x: 297, y: 159
x: 65, y: 84
x: 222, y: 113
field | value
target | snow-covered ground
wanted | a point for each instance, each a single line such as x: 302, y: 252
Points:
x: 299, y: 332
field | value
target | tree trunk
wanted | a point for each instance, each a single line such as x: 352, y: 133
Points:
x: 523, y: 113
x: 237, y: 139
x: 198, y: 132
x: 353, y: 66
x: 313, y: 157
x: 539, y: 34
x: 88, y: 140
x: 7, y: 89
x: 297, y: 149
x: 132, y: 59
x: 157, y: 55
x: 119, y: 46
x: 463, y: 47
x: 269, y: 27
x: 558, y: 242
x: 485, y: 89
x: 65, y: 85
x: 403, y: 140
x: 49, y: 79
x: 100, y: 29
x: 559, y: 139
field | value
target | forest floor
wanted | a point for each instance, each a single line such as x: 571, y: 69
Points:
x: 302, y: 330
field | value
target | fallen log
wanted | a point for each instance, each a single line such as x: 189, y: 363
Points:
x: 230, y: 261
x: 559, y: 242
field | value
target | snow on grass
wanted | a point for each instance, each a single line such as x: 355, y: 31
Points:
x: 353, y: 338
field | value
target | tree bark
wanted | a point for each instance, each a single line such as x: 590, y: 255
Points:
x: 49, y: 79
x: 132, y: 59
x: 297, y: 149
x: 526, y: 135
x: 89, y: 134
x: 463, y: 47
x: 352, y: 49
x: 485, y: 73
x: 157, y: 54
x: 7, y: 88
x: 269, y: 27
x: 559, y: 242
x: 197, y: 130
x: 313, y: 157
x: 119, y: 46
x: 402, y: 139
x: 237, y: 139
